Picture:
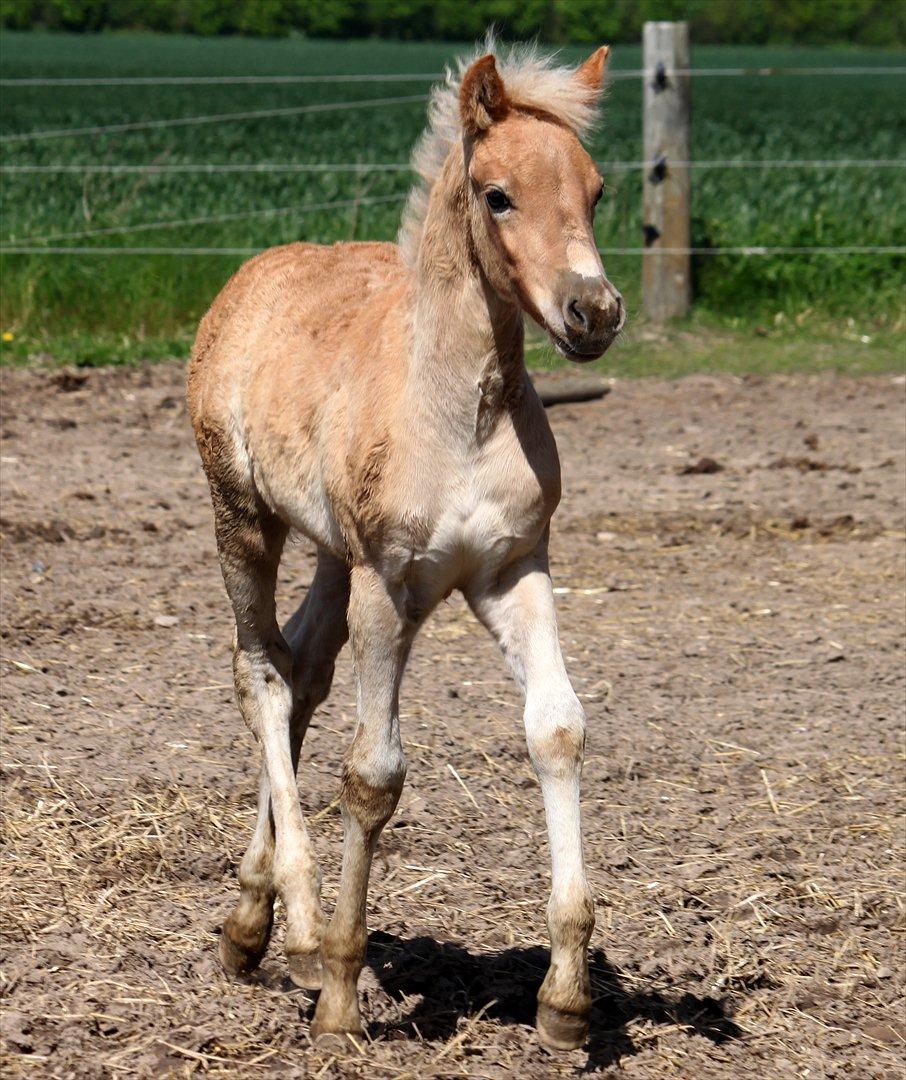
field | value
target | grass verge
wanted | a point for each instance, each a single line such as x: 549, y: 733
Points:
x: 698, y: 344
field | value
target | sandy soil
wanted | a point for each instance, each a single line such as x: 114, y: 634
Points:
x: 734, y: 628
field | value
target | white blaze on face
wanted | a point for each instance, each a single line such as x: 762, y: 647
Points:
x: 584, y: 260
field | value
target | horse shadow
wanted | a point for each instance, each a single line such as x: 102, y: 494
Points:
x: 454, y: 983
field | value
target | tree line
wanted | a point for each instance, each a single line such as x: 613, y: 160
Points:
x: 754, y: 22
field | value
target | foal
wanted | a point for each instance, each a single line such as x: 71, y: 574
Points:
x: 374, y: 398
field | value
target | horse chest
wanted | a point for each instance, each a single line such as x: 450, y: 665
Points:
x: 484, y: 518
x: 480, y: 526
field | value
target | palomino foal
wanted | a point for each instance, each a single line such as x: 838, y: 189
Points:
x: 374, y: 398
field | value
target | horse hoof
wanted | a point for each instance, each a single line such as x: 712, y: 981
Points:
x: 560, y: 1030
x: 336, y: 1042
x: 305, y: 969
x: 336, y: 1017
x: 241, y: 954
x: 325, y: 1033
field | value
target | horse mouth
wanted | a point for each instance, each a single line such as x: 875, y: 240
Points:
x: 564, y: 348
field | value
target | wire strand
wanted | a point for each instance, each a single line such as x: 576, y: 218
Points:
x: 758, y: 249
x: 214, y: 167
x: 401, y: 166
x: 275, y: 211
x: 221, y: 80
x: 390, y: 77
x: 214, y: 118
x: 751, y: 250
x: 763, y: 72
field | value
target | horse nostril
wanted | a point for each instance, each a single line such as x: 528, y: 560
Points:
x: 579, y: 318
x: 619, y: 315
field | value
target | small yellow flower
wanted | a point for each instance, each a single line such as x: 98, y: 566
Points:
x: 8, y: 335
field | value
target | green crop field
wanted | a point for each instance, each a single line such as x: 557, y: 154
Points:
x: 94, y: 307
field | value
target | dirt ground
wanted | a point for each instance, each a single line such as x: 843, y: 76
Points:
x: 734, y: 628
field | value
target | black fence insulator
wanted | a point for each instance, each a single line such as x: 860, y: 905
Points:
x: 658, y: 169
x: 651, y: 234
x: 660, y: 77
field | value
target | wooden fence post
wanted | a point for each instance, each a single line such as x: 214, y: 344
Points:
x: 666, y: 278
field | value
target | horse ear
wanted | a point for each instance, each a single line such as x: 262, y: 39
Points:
x: 591, y: 73
x: 482, y: 96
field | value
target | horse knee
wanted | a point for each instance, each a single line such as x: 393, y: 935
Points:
x: 372, y: 784
x: 555, y: 733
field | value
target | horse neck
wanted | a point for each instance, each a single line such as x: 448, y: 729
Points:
x: 468, y: 357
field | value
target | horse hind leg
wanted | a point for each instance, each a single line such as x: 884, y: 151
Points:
x: 280, y: 860
x: 246, y: 932
x: 316, y: 634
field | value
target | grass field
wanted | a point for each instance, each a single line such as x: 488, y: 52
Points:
x: 94, y: 308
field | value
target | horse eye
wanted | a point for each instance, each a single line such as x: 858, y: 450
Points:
x: 497, y: 201
x: 599, y: 196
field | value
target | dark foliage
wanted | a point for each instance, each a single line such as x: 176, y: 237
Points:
x: 867, y: 22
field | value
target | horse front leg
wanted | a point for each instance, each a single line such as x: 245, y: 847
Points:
x: 518, y: 609
x: 373, y: 775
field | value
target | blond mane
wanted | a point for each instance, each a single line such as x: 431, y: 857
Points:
x: 532, y: 81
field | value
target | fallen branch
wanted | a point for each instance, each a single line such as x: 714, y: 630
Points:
x: 562, y: 392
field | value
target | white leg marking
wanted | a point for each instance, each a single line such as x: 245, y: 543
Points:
x: 519, y: 611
